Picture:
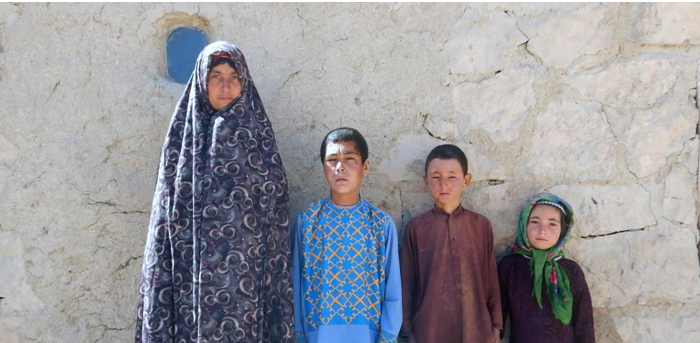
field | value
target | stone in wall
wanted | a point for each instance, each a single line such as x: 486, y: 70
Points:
x: 406, y: 160
x: 419, y: 18
x: 19, y: 297
x: 646, y: 105
x: 500, y: 207
x: 558, y: 39
x: 660, y: 324
x: 497, y: 105
x: 639, y: 267
x: 636, y: 83
x: 657, y: 133
x: 689, y: 155
x: 679, y: 201
x: 572, y: 140
x: 8, y: 152
x: 483, y: 43
x: 663, y: 23
x: 441, y: 128
x: 85, y: 137
x: 606, y: 209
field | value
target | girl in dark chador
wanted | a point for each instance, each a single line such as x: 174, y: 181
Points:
x: 545, y: 295
x: 216, y: 264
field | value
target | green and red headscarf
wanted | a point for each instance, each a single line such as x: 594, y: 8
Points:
x: 544, y: 264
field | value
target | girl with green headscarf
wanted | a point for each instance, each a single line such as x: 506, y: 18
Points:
x: 545, y: 295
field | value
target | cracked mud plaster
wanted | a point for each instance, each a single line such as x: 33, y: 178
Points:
x: 585, y: 113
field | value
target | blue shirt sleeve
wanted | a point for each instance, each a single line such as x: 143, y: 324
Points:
x: 392, y: 315
x: 297, y: 265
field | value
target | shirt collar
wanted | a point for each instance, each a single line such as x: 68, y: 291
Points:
x: 339, y: 207
x: 456, y: 212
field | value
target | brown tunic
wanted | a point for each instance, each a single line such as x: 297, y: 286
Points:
x: 449, y: 278
x: 531, y: 324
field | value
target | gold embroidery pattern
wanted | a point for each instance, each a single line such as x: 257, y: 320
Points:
x: 344, y: 264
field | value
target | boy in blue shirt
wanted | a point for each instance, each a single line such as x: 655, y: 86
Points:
x: 347, y: 284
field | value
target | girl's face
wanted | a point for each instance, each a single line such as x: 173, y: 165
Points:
x: 223, y: 85
x: 544, y: 226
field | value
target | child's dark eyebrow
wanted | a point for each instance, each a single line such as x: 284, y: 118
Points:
x: 536, y: 217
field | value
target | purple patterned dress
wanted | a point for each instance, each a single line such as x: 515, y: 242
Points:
x: 216, y: 263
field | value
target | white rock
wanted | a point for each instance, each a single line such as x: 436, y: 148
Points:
x: 657, y: 133
x: 679, y: 202
x: 606, y: 209
x: 406, y: 160
x: 497, y: 105
x: 639, y: 267
x: 8, y: 151
x: 19, y: 296
x: 689, y: 155
x: 663, y: 23
x: 420, y: 18
x: 636, y: 83
x: 572, y: 140
x: 441, y: 128
x: 625, y: 328
x: 531, y: 9
x: 502, y: 208
x: 482, y: 43
x: 8, y: 327
x: 660, y: 328
x: 558, y: 38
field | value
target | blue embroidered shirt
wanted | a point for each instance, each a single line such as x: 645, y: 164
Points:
x: 347, y: 284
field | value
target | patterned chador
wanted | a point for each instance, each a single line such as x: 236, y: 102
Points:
x: 216, y: 263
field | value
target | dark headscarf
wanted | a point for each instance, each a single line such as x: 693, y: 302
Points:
x: 216, y: 264
x: 544, y: 264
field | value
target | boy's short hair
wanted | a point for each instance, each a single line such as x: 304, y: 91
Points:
x: 448, y: 152
x: 345, y: 134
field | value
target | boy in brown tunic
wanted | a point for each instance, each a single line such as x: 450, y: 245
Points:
x: 448, y: 266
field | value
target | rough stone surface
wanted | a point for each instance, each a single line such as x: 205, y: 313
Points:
x: 404, y: 164
x: 639, y: 82
x: 441, y: 128
x: 636, y: 274
x: 483, y: 43
x: 662, y: 23
x: 510, y: 96
x: 601, y: 210
x: 562, y: 144
x: 656, y: 134
x: 560, y: 37
x: 689, y: 156
x: 679, y: 202
x: 594, y: 102
x: 656, y: 328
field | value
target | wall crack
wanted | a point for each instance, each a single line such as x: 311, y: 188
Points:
x: 53, y: 91
x: 613, y: 233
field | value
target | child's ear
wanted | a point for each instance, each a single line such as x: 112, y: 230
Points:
x: 467, y: 180
x: 365, y: 167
